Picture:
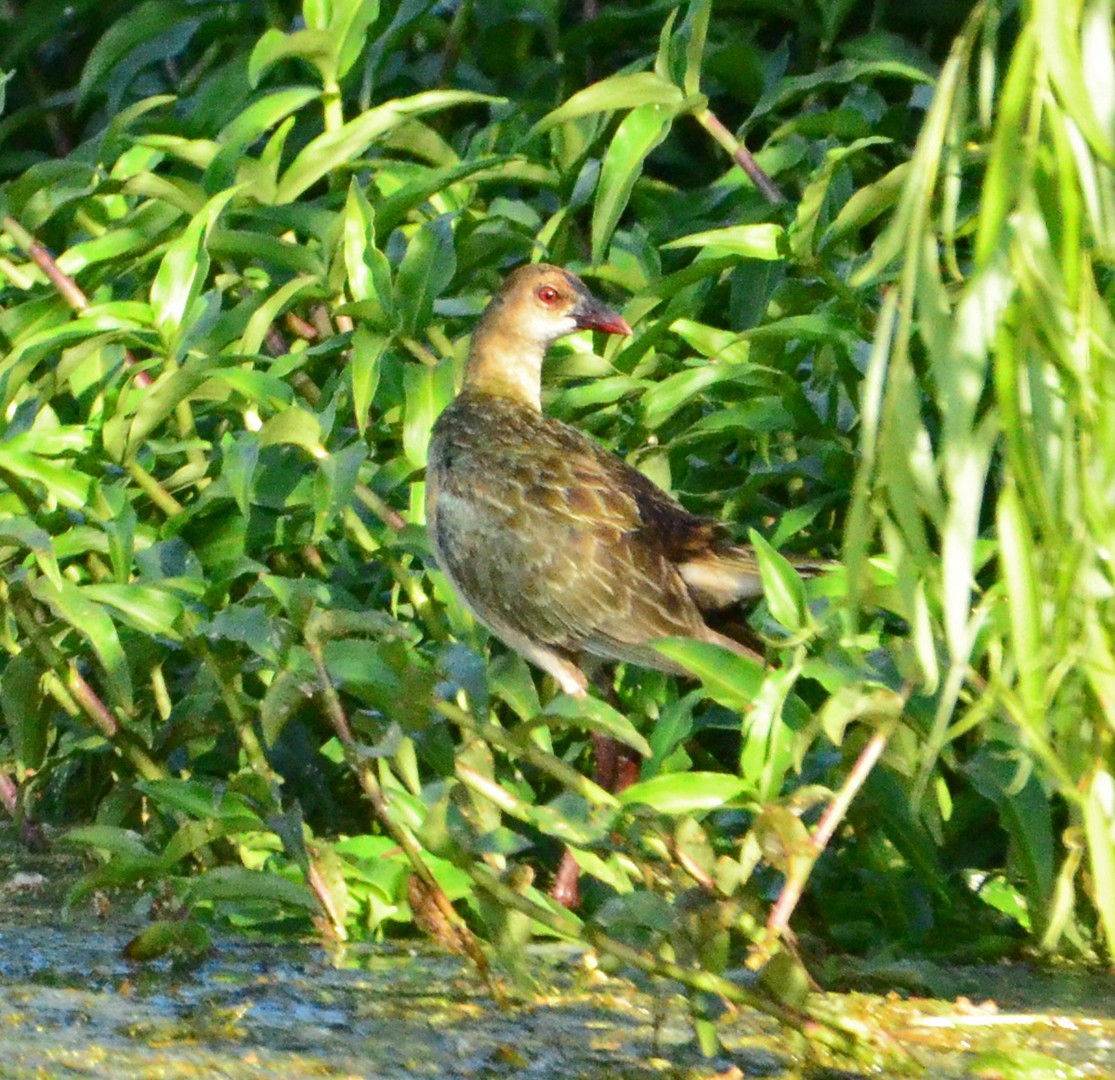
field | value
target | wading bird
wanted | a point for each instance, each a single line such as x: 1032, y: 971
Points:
x: 564, y: 551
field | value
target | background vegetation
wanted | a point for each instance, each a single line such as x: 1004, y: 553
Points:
x: 230, y: 671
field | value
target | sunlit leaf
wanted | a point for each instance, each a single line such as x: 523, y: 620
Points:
x: 427, y: 268
x: 183, y: 270
x: 684, y: 793
x: 236, y: 884
x: 732, y: 680
x: 615, y: 92
x: 638, y: 134
x: 88, y: 618
x: 593, y: 715
x: 750, y: 241
x: 783, y: 589
x: 335, y: 149
x: 364, y: 368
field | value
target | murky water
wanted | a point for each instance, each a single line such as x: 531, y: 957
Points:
x: 71, y: 1005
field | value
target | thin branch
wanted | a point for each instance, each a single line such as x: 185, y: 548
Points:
x: 838, y: 1033
x: 451, y: 926
x: 779, y: 919
x: 390, y: 517
x: 564, y: 773
x: 65, y: 285
x: 742, y: 156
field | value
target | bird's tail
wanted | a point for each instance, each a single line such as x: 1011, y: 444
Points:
x: 719, y: 578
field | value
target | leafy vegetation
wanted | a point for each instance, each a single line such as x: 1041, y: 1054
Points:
x: 229, y: 664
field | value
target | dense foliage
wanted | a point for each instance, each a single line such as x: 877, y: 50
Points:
x: 229, y: 664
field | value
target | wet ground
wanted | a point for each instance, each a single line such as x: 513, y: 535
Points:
x: 72, y: 1006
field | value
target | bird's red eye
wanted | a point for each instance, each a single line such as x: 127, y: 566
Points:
x: 548, y: 294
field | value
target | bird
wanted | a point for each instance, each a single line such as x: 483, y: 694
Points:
x: 560, y: 548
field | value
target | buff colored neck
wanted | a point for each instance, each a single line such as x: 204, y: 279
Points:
x: 505, y: 364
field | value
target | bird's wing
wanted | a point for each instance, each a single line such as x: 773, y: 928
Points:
x: 549, y: 536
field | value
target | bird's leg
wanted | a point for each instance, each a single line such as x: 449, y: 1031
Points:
x: 615, y: 767
x: 565, y: 886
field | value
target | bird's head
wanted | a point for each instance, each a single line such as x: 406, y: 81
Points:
x: 536, y: 305
x: 546, y: 302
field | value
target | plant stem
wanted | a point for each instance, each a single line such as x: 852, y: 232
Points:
x: 371, y: 787
x: 391, y: 518
x: 154, y: 490
x: 565, y: 774
x: 779, y: 918
x: 67, y: 288
x: 742, y: 156
x: 838, y: 1033
x: 241, y: 717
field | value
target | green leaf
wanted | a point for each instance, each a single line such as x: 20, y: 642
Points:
x: 364, y: 370
x: 183, y: 271
x: 427, y: 391
x: 612, y: 871
x: 74, y: 607
x: 782, y: 588
x: 1076, y: 75
x: 148, y: 608
x: 335, y: 483
x: 144, y: 228
x: 265, y: 315
x: 695, y: 28
x: 288, y: 692
x: 615, y: 92
x: 260, y: 116
x: 867, y: 204
x: 349, y: 25
x: 142, y: 24
x: 22, y: 703
x: 815, y: 199
x: 1099, y: 823
x: 732, y: 680
x: 763, y: 241
x: 394, y: 208
x: 72, y: 489
x: 590, y: 714
x: 427, y: 268
x: 784, y: 92
x: 235, y: 883
x: 685, y: 793
x: 123, y: 438
x: 1020, y: 577
x: 24, y: 533
x: 316, y: 47
x: 334, y: 149
x: 119, y: 522
x: 109, y: 838
x: 190, y: 797
x: 638, y: 134
x: 294, y: 426
x: 663, y: 399
x: 1025, y: 812
x: 183, y: 939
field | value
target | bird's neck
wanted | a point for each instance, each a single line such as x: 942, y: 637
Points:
x: 507, y: 365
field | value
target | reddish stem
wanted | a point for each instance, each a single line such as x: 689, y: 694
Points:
x: 779, y: 919
x: 67, y: 288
